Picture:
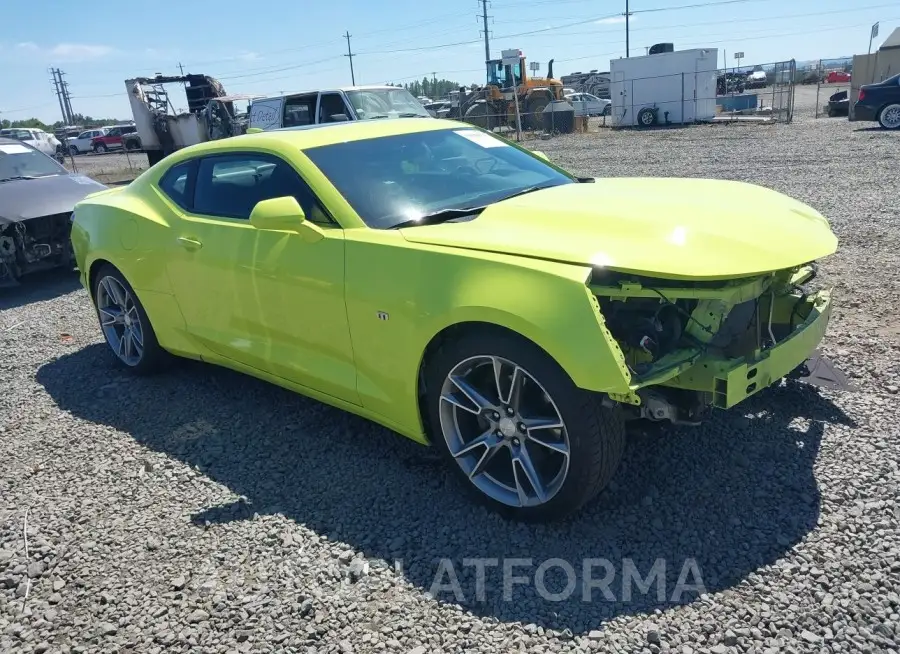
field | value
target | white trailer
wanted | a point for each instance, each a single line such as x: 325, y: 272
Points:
x: 668, y: 87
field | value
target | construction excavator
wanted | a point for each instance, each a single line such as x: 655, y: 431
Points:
x: 494, y: 105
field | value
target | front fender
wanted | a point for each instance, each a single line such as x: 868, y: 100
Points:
x: 401, y: 296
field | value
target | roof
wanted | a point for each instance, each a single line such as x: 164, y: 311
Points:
x: 311, y: 136
x: 335, y: 89
x: 891, y: 42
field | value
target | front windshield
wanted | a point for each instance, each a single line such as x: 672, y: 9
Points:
x: 394, y: 179
x: 385, y: 103
x: 21, y: 161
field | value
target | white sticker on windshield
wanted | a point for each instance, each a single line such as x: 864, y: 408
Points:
x: 482, y: 139
x: 14, y: 148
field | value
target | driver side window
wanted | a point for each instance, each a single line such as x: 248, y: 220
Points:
x: 229, y: 186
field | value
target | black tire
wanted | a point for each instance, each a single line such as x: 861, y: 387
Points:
x: 889, y: 111
x: 596, y: 433
x: 646, y: 117
x: 607, y: 110
x: 73, y: 150
x: 101, y: 148
x: 479, y: 114
x: 535, y: 110
x: 154, y: 358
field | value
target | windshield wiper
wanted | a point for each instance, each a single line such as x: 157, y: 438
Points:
x: 412, y: 114
x: 529, y: 189
x: 17, y: 177
x: 450, y: 214
x: 440, y: 217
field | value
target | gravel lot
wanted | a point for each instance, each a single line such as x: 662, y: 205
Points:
x: 206, y: 511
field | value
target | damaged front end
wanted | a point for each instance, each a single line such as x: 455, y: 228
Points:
x: 692, y: 345
x: 32, y: 245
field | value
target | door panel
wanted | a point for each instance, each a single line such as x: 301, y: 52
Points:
x: 266, y: 299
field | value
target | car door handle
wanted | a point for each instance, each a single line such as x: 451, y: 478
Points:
x: 189, y: 243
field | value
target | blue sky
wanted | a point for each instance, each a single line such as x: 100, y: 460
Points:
x: 285, y: 45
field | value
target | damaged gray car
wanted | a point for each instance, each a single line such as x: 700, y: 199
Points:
x: 37, y: 196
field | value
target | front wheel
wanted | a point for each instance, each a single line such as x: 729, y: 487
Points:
x: 124, y: 323
x: 73, y: 150
x: 889, y: 117
x: 516, y: 429
x: 101, y: 148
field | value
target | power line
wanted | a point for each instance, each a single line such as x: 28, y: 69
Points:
x: 350, y: 56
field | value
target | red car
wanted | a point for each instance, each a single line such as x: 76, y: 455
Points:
x: 113, y: 139
x: 837, y: 76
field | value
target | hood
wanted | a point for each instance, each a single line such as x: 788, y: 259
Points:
x: 30, y: 198
x: 668, y: 227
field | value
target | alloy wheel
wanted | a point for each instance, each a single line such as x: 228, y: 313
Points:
x: 504, y: 431
x: 120, y: 321
x: 890, y: 117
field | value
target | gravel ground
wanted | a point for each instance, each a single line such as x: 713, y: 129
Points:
x: 206, y: 511
x: 111, y: 167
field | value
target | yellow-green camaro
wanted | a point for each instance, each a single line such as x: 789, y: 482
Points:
x: 460, y: 290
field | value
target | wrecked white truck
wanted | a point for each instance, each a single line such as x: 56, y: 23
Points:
x: 163, y: 128
x: 211, y: 114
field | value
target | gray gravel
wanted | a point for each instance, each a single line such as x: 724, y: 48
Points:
x: 206, y: 511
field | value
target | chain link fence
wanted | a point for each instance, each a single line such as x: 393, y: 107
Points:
x: 760, y: 93
x: 832, y: 79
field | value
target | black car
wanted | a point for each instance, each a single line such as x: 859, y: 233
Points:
x: 881, y: 102
x: 37, y: 196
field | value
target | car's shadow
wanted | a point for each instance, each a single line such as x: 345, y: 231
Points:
x: 731, y: 496
x: 39, y: 287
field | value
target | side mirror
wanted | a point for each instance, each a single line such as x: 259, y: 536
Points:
x: 278, y: 214
x: 541, y: 155
x: 284, y: 214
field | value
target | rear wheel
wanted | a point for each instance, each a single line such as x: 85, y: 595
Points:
x: 100, y: 148
x: 518, y: 432
x: 889, y: 117
x: 73, y: 150
x: 124, y: 323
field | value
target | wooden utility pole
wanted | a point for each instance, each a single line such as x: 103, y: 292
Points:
x: 350, y: 56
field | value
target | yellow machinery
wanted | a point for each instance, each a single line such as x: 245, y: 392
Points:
x: 495, y: 105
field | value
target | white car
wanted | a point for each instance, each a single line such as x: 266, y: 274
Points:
x: 82, y: 143
x: 36, y: 138
x: 589, y: 105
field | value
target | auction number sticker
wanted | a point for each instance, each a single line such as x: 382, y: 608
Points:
x: 480, y: 138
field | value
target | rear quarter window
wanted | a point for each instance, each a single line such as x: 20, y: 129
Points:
x: 178, y: 183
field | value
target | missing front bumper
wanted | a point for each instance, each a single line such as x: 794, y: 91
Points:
x: 730, y: 381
